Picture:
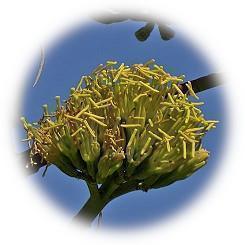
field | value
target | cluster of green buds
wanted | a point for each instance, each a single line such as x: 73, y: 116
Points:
x: 133, y: 122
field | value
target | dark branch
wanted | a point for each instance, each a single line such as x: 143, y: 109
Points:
x: 203, y: 83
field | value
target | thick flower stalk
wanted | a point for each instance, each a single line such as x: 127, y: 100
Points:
x: 124, y: 127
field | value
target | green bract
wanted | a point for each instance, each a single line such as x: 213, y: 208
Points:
x: 130, y: 122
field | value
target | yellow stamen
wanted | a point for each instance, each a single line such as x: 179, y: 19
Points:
x: 139, y: 96
x: 155, y: 135
x: 188, y: 138
x: 93, y: 115
x: 96, y: 83
x: 132, y: 137
x: 97, y: 69
x: 97, y: 92
x: 80, y: 83
x: 194, y: 129
x: 160, y: 68
x: 83, y: 95
x: 82, y: 111
x: 197, y: 103
x: 120, y: 69
x: 168, y: 104
x: 113, y: 141
x: 165, y: 134
x: 72, y: 90
x: 144, y: 73
x: 149, y: 62
x: 119, y: 140
x: 74, y: 118
x: 113, y: 104
x: 110, y: 62
x: 148, y: 86
x: 189, y: 86
x: 103, y: 106
x: 45, y: 109
x: 151, y: 72
x: 145, y: 146
x: 171, y: 98
x: 128, y: 80
x: 139, y: 118
x: 89, y: 128
x: 184, y: 149
x: 137, y: 76
x: 50, y: 122
x: 176, y: 79
x: 193, y: 147
x: 93, y: 102
x: 88, y: 91
x: 75, y: 133
x: 57, y: 98
x: 211, y: 125
x: 178, y: 89
x: 196, y: 109
x: 168, y: 146
x: 103, y: 101
x: 130, y: 125
x: 197, y: 134
x: 150, y: 122
x: 97, y: 121
x: 188, y: 112
x: 194, y: 113
x: 24, y: 140
x: 212, y: 121
x: 54, y: 126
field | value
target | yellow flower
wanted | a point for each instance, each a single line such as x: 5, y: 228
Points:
x: 131, y: 121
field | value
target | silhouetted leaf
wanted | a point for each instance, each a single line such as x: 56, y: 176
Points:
x: 143, y: 33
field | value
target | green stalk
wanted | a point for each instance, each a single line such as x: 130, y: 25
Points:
x: 91, y: 209
x: 99, y: 198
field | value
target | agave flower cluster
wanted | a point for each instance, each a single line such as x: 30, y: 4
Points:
x: 132, y: 122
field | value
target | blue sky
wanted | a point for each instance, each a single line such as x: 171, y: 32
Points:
x: 78, y: 53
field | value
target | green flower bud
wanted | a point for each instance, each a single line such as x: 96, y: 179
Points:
x: 185, y: 169
x: 108, y: 164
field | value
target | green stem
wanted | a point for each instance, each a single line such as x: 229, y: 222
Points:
x: 91, y: 209
x: 96, y: 202
x: 93, y: 189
